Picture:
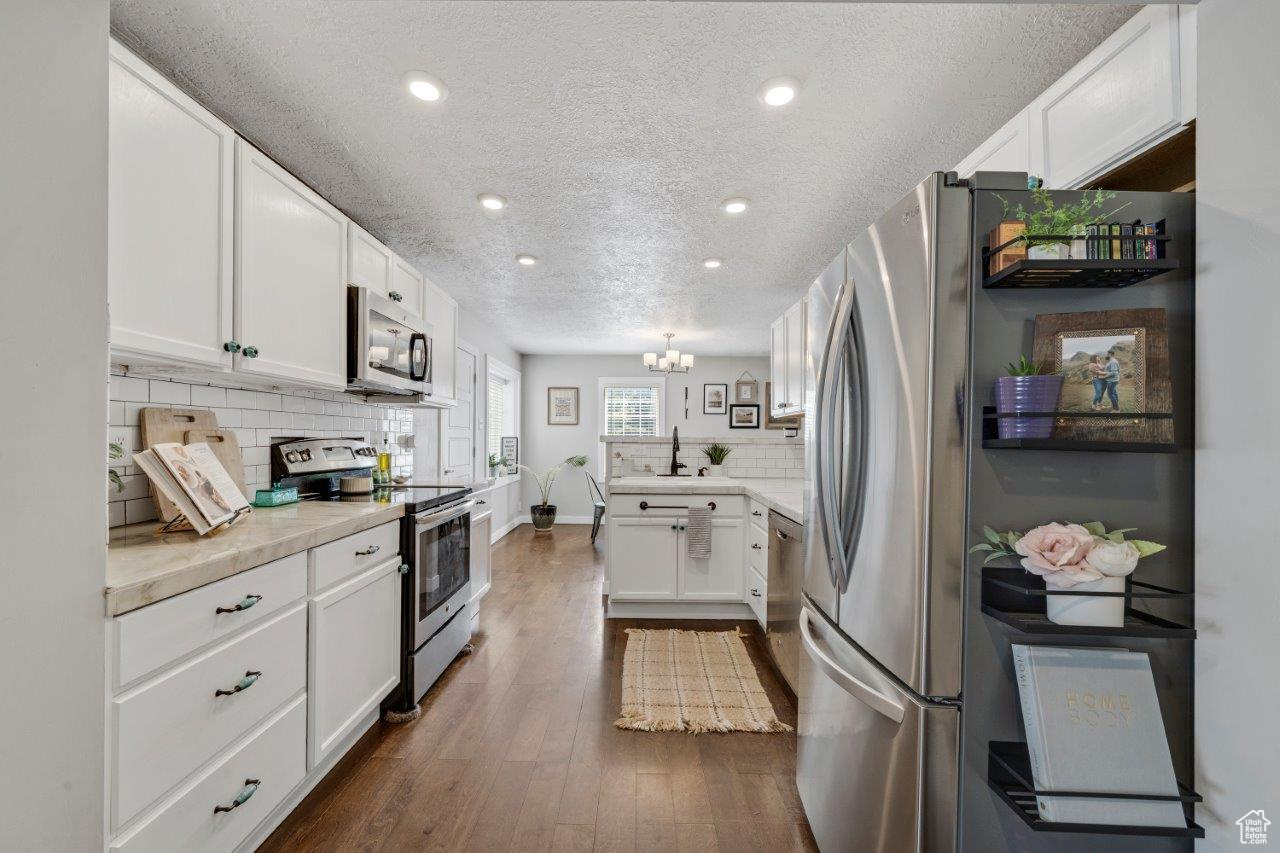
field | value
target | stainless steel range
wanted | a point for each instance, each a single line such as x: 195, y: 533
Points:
x: 435, y: 543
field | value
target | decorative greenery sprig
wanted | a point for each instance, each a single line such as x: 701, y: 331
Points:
x: 1064, y: 219
x: 115, y: 450
x: 546, y: 478
x: 1022, y: 367
x: 1004, y: 544
x: 716, y: 452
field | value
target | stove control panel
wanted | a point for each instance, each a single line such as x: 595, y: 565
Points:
x: 320, y: 456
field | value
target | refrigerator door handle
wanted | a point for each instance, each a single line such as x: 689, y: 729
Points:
x: 860, y: 690
x: 854, y: 459
x: 824, y: 437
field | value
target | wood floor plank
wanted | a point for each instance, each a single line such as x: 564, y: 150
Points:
x: 579, y: 803
x: 696, y: 838
x: 494, y: 827
x: 655, y: 837
x: 653, y: 799
x: 535, y: 825
x: 573, y: 838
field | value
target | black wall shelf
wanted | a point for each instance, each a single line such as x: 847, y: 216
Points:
x: 992, y: 441
x: 1039, y: 275
x: 1017, y: 598
x: 1009, y: 775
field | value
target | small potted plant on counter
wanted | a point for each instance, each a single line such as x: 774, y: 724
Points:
x: 497, y: 464
x: 1083, y: 558
x: 543, y: 514
x: 716, y: 453
x: 1027, y: 388
x: 1054, y: 222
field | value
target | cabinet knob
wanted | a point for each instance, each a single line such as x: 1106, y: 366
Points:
x: 232, y: 347
x: 756, y: 593
x: 395, y: 296
x: 250, y: 352
x: 250, y: 788
x: 245, y: 603
x: 756, y: 546
x: 250, y: 678
x: 404, y: 568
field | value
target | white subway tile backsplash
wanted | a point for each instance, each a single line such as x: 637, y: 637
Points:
x: 238, y: 399
x: 208, y: 395
x: 229, y: 417
x: 115, y: 413
x: 115, y: 513
x: 255, y: 418
x: 130, y: 389
x: 174, y: 393
x: 294, y: 404
x: 281, y: 420
x: 269, y: 401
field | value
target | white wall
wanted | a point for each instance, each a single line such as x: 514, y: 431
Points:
x: 1237, y: 411
x: 544, y: 445
x: 53, y: 358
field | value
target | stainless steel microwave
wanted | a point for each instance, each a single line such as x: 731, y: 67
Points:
x: 388, y: 348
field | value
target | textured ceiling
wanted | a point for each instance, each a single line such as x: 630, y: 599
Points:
x: 614, y: 129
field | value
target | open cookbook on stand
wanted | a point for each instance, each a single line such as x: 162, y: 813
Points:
x: 191, y: 476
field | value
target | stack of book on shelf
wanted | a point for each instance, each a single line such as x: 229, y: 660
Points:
x: 191, y: 476
x: 1093, y: 725
x: 1126, y: 243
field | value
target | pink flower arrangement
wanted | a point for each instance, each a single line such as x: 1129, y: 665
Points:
x: 1068, y: 554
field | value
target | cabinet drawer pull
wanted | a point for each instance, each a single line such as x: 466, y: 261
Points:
x: 756, y: 546
x: 250, y: 788
x: 646, y: 505
x: 757, y: 513
x: 372, y: 549
x: 243, y: 684
x: 245, y: 603
x: 756, y: 593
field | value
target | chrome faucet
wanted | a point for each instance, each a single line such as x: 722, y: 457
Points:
x: 675, y: 447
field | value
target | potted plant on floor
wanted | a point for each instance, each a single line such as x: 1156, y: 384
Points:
x: 1083, y: 558
x: 496, y: 462
x: 1027, y: 388
x: 716, y: 453
x: 543, y: 514
x: 1054, y: 221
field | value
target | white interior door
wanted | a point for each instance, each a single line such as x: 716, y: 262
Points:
x: 458, y: 449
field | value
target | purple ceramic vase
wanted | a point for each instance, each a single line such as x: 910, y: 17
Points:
x: 1027, y: 394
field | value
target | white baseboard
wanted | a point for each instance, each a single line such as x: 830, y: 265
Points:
x: 679, y: 610
x: 560, y: 519
x: 511, y: 525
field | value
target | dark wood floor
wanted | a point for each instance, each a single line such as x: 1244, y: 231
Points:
x: 516, y: 748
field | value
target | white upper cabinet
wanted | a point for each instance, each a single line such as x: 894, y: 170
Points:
x: 441, y: 314
x: 1120, y: 99
x: 291, y: 270
x: 1008, y: 149
x: 406, y: 286
x: 169, y: 225
x: 778, y: 364
x: 369, y: 263
x: 786, y: 361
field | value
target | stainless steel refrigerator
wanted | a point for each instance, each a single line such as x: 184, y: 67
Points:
x: 881, y: 618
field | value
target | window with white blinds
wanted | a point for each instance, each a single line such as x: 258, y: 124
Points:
x: 497, y: 414
x: 632, y: 410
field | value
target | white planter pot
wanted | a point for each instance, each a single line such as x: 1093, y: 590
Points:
x: 715, y: 470
x: 1097, y: 611
x: 1048, y: 252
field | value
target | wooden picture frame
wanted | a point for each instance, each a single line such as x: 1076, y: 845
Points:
x: 715, y: 398
x: 746, y: 390
x: 744, y: 416
x: 787, y: 421
x: 562, y: 405
x: 1132, y: 344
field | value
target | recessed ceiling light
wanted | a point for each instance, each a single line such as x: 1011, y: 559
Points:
x: 527, y: 260
x: 426, y: 87
x: 711, y: 263
x: 733, y: 205
x: 779, y: 91
x: 492, y: 201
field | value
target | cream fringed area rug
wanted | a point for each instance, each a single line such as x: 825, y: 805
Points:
x: 692, y: 681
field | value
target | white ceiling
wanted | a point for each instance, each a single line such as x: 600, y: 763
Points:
x: 614, y: 129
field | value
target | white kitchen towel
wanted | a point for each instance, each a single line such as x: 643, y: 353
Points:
x: 698, y: 532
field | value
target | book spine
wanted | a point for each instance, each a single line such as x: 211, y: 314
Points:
x: 1127, y: 245
x: 1116, y: 252
x: 1022, y: 667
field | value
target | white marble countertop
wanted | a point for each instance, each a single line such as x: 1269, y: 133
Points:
x: 783, y: 496
x: 143, y: 567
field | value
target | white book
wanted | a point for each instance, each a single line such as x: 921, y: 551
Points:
x: 1093, y: 723
x: 192, y: 477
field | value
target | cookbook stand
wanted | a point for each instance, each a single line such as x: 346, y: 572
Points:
x: 180, y: 523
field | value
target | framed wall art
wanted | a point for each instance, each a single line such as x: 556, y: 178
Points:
x: 746, y: 389
x: 744, y: 417
x: 562, y: 405
x: 1112, y: 363
x: 715, y: 399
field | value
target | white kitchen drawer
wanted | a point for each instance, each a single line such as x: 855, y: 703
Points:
x: 759, y: 514
x: 757, y: 595
x: 274, y: 755
x: 160, y: 633
x: 758, y: 548
x: 166, y: 729
x: 727, y: 506
x: 349, y: 556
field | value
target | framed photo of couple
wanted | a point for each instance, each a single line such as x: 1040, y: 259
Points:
x: 1111, y: 362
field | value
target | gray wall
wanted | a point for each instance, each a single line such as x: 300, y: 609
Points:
x: 53, y: 356
x: 1238, y: 587
x: 542, y: 446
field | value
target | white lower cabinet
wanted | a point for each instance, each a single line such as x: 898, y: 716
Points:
x: 714, y: 578
x: 266, y: 767
x: 642, y: 559
x: 757, y: 595
x: 354, y: 654
x: 481, y: 555
x: 648, y: 555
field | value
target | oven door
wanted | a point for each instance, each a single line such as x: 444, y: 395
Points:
x: 441, y: 567
x: 388, y: 349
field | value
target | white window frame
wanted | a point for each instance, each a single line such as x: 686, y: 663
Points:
x: 659, y: 382
x: 495, y: 367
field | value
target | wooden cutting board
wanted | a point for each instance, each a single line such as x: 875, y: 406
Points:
x: 226, y: 447
x: 165, y: 425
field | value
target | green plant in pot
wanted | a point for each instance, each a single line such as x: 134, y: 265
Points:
x: 1051, y: 222
x: 1026, y: 388
x: 716, y: 453
x: 115, y: 450
x: 543, y: 514
x: 497, y: 462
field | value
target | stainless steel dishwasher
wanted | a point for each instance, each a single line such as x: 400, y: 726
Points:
x: 782, y: 613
